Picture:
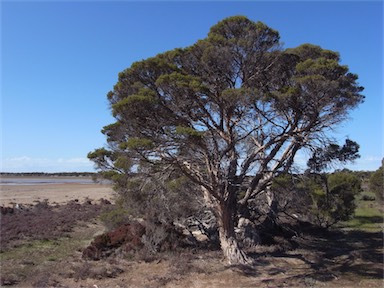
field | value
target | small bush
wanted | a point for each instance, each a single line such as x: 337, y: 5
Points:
x: 368, y: 198
x: 126, y: 238
x: 334, y: 198
x: 115, y: 217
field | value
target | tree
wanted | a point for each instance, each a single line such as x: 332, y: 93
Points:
x: 322, y: 159
x: 333, y: 195
x: 337, y: 203
x: 229, y: 112
x: 376, y: 182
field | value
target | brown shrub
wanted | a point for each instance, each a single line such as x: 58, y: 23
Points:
x: 127, y: 236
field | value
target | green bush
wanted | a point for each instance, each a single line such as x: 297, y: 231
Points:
x: 335, y: 202
x: 115, y: 217
x: 376, y: 183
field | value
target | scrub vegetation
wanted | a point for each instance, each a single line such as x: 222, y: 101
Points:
x: 35, y: 253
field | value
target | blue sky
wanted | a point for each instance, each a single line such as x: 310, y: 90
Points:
x: 60, y: 59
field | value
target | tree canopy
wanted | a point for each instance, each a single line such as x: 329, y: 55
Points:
x: 229, y: 112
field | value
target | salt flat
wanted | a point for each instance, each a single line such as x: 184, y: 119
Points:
x: 59, y: 193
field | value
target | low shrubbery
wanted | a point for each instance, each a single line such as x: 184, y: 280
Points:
x: 42, y: 221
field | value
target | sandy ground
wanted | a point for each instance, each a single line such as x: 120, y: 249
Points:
x: 55, y: 193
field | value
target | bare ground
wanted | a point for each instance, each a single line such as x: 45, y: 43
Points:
x: 53, y: 193
x: 315, y: 259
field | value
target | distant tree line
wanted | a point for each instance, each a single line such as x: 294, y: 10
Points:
x: 39, y: 174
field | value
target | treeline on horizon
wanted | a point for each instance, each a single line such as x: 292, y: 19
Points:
x: 72, y: 174
x: 362, y: 173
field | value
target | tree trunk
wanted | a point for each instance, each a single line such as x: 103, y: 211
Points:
x: 247, y: 232
x: 271, y: 219
x: 229, y: 245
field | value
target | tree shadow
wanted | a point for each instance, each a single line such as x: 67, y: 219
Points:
x: 369, y: 219
x: 328, y: 255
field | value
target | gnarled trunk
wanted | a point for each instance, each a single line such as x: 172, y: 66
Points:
x: 232, y: 251
x: 229, y: 245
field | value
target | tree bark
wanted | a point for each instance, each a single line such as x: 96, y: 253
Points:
x: 229, y: 245
x: 247, y: 232
x: 271, y: 219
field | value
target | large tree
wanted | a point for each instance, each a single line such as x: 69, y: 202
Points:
x: 230, y: 112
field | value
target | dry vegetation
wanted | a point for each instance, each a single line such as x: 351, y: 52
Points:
x: 43, y: 247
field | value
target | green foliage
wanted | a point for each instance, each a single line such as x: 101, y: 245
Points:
x: 188, y: 131
x: 157, y: 196
x: 283, y: 180
x: 328, y: 68
x: 138, y: 143
x: 110, y: 175
x: 99, y: 154
x: 322, y: 158
x: 180, y: 81
x: 240, y: 31
x: 310, y: 51
x: 341, y: 182
x: 376, y: 183
x: 115, y: 217
x: 336, y: 201
x: 177, y: 183
x: 123, y: 163
x: 134, y: 103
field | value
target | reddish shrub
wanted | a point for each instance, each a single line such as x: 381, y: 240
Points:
x: 127, y: 235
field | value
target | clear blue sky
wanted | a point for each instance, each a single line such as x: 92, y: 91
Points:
x: 59, y: 60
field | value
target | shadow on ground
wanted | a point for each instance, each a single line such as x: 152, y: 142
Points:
x: 323, y: 256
